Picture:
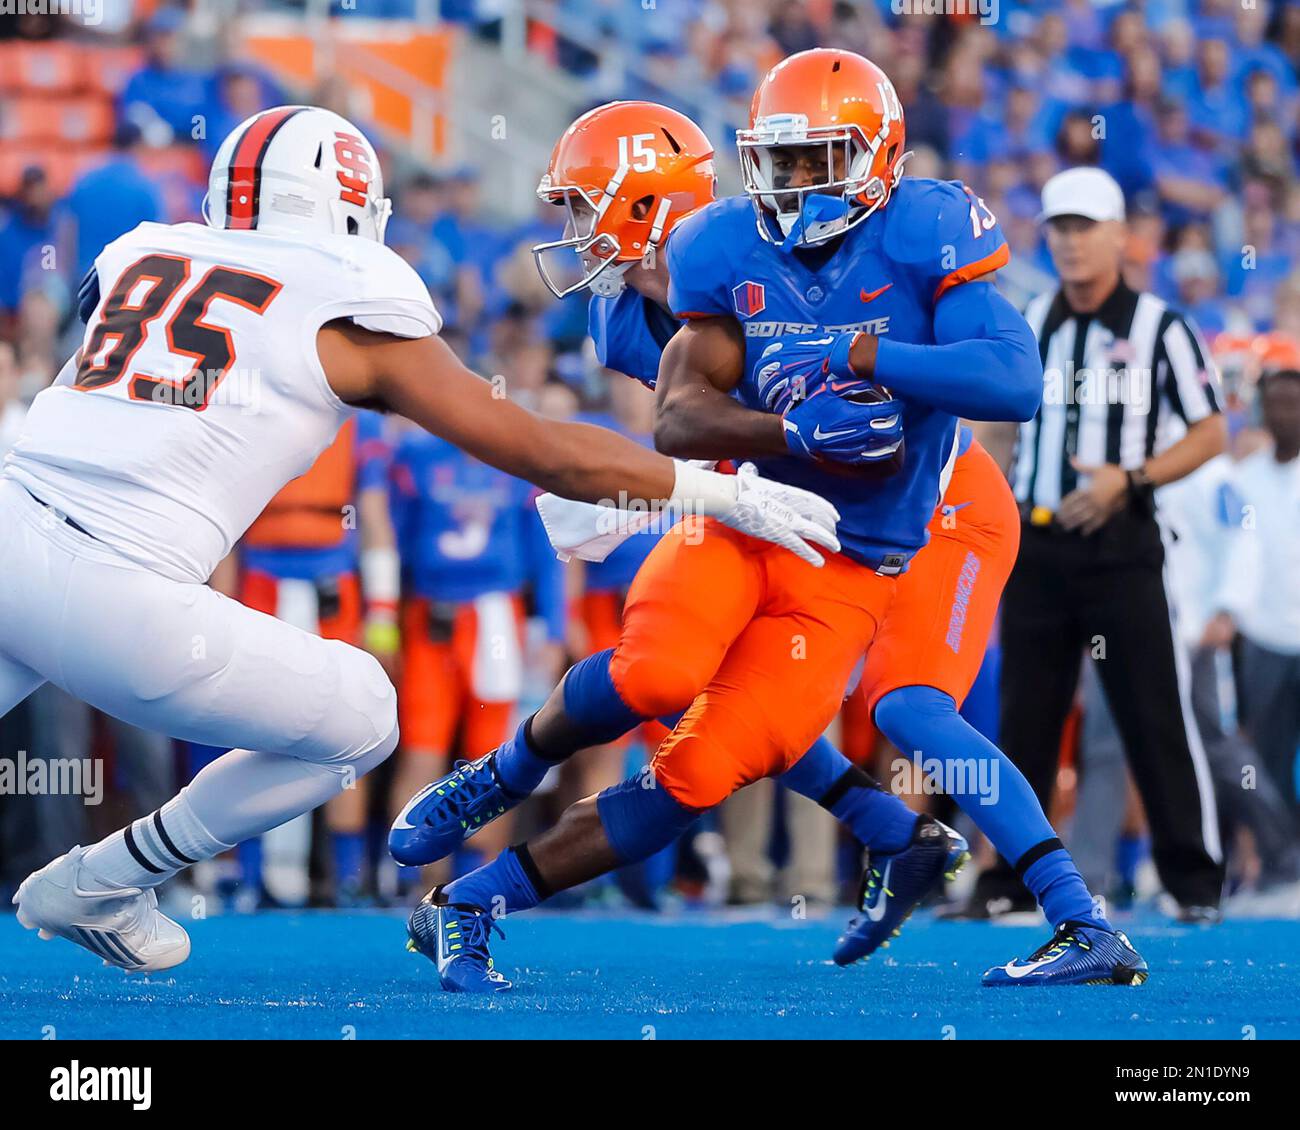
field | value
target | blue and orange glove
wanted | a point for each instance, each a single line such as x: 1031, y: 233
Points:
x: 828, y: 412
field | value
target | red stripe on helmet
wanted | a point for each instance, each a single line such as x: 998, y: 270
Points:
x: 245, y: 183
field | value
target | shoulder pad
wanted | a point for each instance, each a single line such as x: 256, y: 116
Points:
x: 922, y: 216
x: 701, y: 252
x: 381, y: 291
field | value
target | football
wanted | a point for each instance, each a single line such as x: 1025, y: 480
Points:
x: 868, y: 394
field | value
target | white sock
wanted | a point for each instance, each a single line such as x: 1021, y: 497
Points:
x: 241, y: 794
x: 151, y: 850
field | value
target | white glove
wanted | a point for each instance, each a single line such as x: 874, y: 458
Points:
x: 784, y: 515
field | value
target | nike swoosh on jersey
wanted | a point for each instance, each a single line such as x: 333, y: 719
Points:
x: 869, y: 295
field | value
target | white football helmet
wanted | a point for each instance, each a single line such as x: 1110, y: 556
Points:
x: 297, y: 169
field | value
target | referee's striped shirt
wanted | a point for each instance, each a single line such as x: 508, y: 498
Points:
x: 1119, y: 385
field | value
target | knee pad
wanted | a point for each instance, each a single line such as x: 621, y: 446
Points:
x: 640, y: 817
x: 654, y: 686
x: 369, y: 726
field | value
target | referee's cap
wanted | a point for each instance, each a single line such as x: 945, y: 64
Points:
x: 1086, y: 191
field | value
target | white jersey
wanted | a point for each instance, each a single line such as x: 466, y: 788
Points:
x: 200, y: 393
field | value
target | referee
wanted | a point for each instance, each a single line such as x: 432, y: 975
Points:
x: 1130, y: 402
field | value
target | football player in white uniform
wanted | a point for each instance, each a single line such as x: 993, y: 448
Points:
x: 217, y: 363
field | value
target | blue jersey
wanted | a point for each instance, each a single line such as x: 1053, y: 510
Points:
x: 883, y: 277
x: 630, y: 333
x: 465, y: 529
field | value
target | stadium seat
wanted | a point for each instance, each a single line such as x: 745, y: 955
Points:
x: 60, y: 162
x: 45, y: 68
x: 77, y: 119
x: 107, y: 69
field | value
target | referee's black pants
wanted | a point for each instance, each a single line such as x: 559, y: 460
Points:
x: 1104, y: 594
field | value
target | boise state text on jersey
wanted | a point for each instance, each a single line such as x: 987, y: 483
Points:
x: 882, y: 277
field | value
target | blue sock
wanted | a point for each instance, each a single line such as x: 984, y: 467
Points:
x: 519, y: 766
x: 592, y: 704
x: 878, y: 819
x: 1060, y: 889
x: 595, y: 715
x: 1129, y: 854
x: 500, y: 887
x: 249, y: 854
x: 924, y: 724
x: 639, y: 820
x: 349, y: 850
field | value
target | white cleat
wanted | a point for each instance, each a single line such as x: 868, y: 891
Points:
x: 124, y: 927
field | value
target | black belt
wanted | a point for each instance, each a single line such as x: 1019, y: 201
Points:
x: 60, y: 514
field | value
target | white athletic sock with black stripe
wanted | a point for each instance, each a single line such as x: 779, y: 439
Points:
x: 151, y: 850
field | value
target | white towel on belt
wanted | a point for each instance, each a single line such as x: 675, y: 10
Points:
x: 498, y: 655
x: 590, y: 532
x: 587, y: 531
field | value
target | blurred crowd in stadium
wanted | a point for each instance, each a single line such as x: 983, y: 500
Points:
x: 1192, y: 105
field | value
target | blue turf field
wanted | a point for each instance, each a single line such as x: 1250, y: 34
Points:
x: 329, y: 975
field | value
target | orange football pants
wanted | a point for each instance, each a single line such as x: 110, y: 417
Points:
x: 755, y: 644
x: 945, y: 605
x: 261, y: 592
x: 436, y: 699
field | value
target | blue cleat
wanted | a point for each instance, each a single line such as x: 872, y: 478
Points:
x: 893, y: 886
x: 441, y: 816
x: 455, y: 938
x: 1078, y: 954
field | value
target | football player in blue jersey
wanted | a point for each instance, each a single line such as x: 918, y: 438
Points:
x: 763, y: 657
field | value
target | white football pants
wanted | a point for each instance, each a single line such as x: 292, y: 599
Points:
x: 302, y: 716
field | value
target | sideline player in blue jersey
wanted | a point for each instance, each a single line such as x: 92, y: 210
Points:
x: 471, y: 542
x: 804, y: 290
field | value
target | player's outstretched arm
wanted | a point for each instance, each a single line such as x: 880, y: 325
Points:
x: 696, y: 417
x: 984, y: 365
x: 423, y: 380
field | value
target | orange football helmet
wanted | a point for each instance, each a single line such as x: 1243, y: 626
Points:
x: 627, y: 173
x: 837, y: 100
x: 1277, y: 353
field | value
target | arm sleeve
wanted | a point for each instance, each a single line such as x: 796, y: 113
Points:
x: 1190, y: 382
x: 985, y: 363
